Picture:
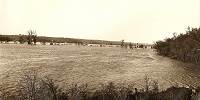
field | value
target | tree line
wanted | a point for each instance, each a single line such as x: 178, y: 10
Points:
x: 184, y: 47
x: 5, y: 38
x: 30, y: 37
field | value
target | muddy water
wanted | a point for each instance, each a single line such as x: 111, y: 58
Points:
x: 94, y: 65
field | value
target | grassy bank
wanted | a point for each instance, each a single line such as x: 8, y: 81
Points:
x: 32, y: 87
x: 184, y: 47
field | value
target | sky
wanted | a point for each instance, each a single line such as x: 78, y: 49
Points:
x: 143, y: 21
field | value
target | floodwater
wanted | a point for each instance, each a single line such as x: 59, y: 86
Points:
x: 94, y: 65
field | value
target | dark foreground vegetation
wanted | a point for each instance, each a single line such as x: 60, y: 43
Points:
x: 184, y: 47
x: 32, y: 87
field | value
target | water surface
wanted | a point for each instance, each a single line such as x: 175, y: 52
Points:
x: 94, y: 65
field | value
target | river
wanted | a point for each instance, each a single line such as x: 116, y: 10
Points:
x: 94, y: 65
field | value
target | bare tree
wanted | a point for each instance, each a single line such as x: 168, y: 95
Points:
x: 31, y: 36
x: 122, y: 43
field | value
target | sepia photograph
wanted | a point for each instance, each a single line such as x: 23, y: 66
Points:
x: 99, y: 49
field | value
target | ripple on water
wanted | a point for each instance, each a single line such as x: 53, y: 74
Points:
x: 70, y: 64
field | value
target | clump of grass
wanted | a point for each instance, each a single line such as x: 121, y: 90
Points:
x: 151, y: 85
x: 76, y: 92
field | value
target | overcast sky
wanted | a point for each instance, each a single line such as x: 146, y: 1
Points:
x: 132, y: 20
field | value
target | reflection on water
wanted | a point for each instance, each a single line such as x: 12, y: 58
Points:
x: 94, y: 65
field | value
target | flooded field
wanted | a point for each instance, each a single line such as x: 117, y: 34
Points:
x: 94, y: 65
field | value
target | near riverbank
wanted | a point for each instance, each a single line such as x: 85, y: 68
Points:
x: 32, y: 87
